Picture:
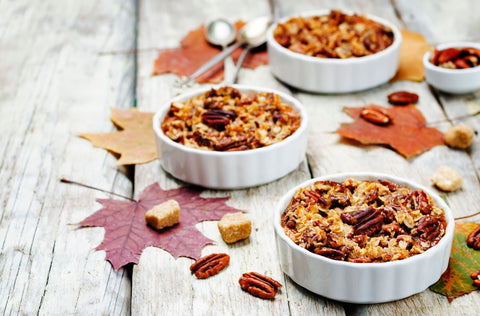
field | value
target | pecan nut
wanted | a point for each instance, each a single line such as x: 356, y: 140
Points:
x: 218, y: 118
x: 476, y: 278
x: 366, y: 222
x: 402, y: 98
x: 259, y: 285
x: 210, y: 265
x: 418, y: 200
x: 428, y: 228
x: 473, y: 239
x: 331, y: 253
x: 375, y: 115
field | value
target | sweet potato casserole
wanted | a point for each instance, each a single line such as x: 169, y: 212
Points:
x: 336, y: 35
x: 227, y: 120
x: 363, y: 221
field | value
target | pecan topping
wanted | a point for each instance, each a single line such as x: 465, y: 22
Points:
x: 228, y: 144
x: 417, y: 200
x: 210, y: 265
x: 402, y: 98
x: 476, y: 278
x: 428, y: 228
x: 331, y: 253
x: 259, y: 285
x: 375, y: 115
x: 366, y: 222
x: 473, y: 239
x: 218, y: 118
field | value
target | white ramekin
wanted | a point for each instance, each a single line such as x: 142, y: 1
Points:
x: 363, y: 282
x: 455, y: 81
x: 231, y: 170
x: 329, y: 75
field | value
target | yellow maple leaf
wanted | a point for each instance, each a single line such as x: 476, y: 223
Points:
x: 134, y: 142
x: 414, y: 46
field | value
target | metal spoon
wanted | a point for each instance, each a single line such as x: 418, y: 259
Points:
x: 218, y: 32
x: 254, y: 34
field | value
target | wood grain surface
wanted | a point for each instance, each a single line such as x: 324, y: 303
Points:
x: 63, y: 64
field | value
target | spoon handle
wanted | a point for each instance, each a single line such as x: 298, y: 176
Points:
x: 215, y: 60
x: 240, y: 61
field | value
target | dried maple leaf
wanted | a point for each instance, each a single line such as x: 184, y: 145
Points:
x: 196, y: 51
x: 413, y: 47
x: 127, y: 234
x: 407, y: 133
x: 456, y: 280
x: 135, y: 142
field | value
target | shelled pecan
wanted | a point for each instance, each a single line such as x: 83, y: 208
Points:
x: 375, y: 115
x: 476, y: 278
x: 259, y: 285
x: 210, y: 265
x: 331, y: 253
x: 402, y: 98
x: 473, y: 239
x: 456, y: 58
x: 218, y: 118
x: 428, y: 227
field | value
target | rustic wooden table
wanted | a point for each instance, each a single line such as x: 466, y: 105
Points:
x: 64, y: 64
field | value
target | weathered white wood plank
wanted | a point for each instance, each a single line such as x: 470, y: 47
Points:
x: 56, y: 83
x: 159, y: 281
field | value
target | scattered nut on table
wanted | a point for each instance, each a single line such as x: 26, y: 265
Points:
x: 459, y: 136
x: 447, y: 179
x: 163, y: 215
x: 234, y: 227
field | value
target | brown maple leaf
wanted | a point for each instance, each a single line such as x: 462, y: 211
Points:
x: 127, y: 234
x: 196, y: 51
x: 407, y: 133
x: 456, y: 280
x: 135, y: 142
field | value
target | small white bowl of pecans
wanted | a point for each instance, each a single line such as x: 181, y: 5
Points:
x: 333, y: 51
x: 230, y: 137
x: 454, y: 67
x: 363, y: 237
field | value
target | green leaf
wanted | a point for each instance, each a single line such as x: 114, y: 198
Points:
x: 456, y: 280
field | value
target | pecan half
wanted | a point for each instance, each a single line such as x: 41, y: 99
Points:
x: 402, y: 98
x: 428, y: 228
x: 228, y: 144
x: 331, y: 253
x: 473, y: 239
x: 476, y: 278
x: 448, y: 55
x: 259, y: 285
x: 218, y: 119
x: 366, y: 222
x: 417, y: 200
x: 210, y: 265
x: 376, y: 116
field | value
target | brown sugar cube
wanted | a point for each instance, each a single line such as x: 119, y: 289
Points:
x: 163, y: 215
x: 447, y: 179
x: 234, y: 227
x: 459, y: 136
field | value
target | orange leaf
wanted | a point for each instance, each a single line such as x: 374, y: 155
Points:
x: 135, y: 142
x: 407, y: 133
x: 196, y: 51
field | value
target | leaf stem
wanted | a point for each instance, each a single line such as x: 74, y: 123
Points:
x: 467, y: 216
x: 94, y: 188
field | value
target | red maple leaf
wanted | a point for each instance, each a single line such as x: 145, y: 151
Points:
x: 407, y: 133
x: 127, y: 234
x: 196, y: 51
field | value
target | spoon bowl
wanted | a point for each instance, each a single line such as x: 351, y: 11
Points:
x: 220, y: 32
